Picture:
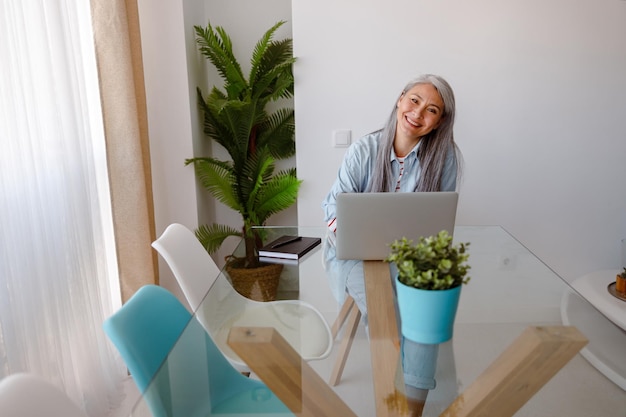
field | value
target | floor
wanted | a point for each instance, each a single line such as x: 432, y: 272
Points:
x: 578, y: 390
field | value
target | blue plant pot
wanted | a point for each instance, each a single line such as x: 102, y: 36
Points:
x: 427, y: 316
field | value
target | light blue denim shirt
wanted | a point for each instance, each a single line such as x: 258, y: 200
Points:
x: 358, y: 164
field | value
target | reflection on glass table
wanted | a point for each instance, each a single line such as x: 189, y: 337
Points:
x: 196, y: 273
x: 510, y: 290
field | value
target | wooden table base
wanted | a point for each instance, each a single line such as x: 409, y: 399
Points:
x: 505, y: 386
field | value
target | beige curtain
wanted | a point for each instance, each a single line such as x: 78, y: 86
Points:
x: 120, y: 72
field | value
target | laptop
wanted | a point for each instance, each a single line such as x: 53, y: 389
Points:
x: 367, y: 223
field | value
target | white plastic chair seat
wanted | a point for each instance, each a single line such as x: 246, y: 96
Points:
x: 300, y: 323
x: 28, y: 395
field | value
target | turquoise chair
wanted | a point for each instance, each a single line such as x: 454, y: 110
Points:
x: 175, y: 364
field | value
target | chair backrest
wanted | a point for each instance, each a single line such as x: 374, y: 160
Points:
x: 192, y: 266
x: 154, y: 329
x: 196, y: 273
x: 145, y: 329
x: 28, y: 395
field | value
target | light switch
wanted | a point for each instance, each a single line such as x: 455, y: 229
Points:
x: 342, y: 138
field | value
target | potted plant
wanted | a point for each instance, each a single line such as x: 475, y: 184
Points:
x: 620, y: 283
x: 429, y: 279
x: 237, y: 118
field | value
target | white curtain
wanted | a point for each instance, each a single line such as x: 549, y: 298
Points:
x: 58, y: 271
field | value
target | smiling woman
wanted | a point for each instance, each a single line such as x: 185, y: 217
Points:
x: 414, y: 152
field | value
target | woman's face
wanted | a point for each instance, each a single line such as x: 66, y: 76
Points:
x: 420, y: 110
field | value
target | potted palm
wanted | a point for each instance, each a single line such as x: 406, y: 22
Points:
x: 237, y: 118
x: 429, y: 279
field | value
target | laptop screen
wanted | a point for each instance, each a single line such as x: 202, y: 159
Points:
x: 367, y: 223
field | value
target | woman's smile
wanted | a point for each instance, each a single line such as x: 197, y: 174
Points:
x: 414, y: 123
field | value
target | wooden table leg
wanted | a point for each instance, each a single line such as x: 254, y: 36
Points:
x: 519, y: 372
x: 384, y: 342
x: 282, y: 369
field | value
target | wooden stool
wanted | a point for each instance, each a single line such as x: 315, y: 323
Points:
x: 350, y: 312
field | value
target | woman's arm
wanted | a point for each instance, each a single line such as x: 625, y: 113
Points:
x: 353, y: 175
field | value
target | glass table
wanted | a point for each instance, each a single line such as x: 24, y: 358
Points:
x: 511, y: 290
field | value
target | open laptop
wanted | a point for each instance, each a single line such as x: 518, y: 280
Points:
x: 367, y: 223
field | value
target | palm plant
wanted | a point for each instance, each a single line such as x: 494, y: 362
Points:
x: 238, y: 120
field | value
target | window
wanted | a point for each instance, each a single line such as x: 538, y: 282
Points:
x: 58, y: 269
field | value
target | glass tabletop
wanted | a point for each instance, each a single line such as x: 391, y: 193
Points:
x: 510, y: 289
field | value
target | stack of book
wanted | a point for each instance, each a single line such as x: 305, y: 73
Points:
x: 288, y: 248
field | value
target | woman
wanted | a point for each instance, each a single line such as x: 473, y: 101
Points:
x: 415, y: 151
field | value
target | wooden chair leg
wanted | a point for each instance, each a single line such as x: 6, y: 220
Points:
x: 284, y: 371
x: 346, y: 343
x: 343, y: 315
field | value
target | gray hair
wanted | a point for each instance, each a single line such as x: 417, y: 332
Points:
x: 434, y: 146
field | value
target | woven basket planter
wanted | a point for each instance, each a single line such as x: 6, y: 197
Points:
x: 259, y: 284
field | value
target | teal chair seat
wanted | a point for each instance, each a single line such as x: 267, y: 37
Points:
x: 176, y: 365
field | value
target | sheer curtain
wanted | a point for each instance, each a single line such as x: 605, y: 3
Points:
x: 58, y: 269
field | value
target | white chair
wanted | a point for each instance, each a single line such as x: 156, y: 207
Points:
x: 301, y: 324
x: 28, y: 395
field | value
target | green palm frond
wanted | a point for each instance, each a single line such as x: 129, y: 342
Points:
x: 277, y: 133
x: 274, y: 78
x: 260, y: 52
x: 240, y: 118
x: 217, y: 178
x: 214, y: 235
x: 216, y: 45
x: 223, y: 164
x: 214, y: 126
x: 279, y: 193
x: 255, y: 174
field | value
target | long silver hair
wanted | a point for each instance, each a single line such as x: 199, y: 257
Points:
x: 434, y: 146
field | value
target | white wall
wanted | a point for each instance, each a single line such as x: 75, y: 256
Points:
x: 541, y: 105
x: 170, y: 130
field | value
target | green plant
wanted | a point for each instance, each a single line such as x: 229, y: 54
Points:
x: 434, y: 263
x: 237, y: 119
x: 623, y: 273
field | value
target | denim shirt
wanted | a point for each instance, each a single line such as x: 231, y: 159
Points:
x: 358, y: 164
